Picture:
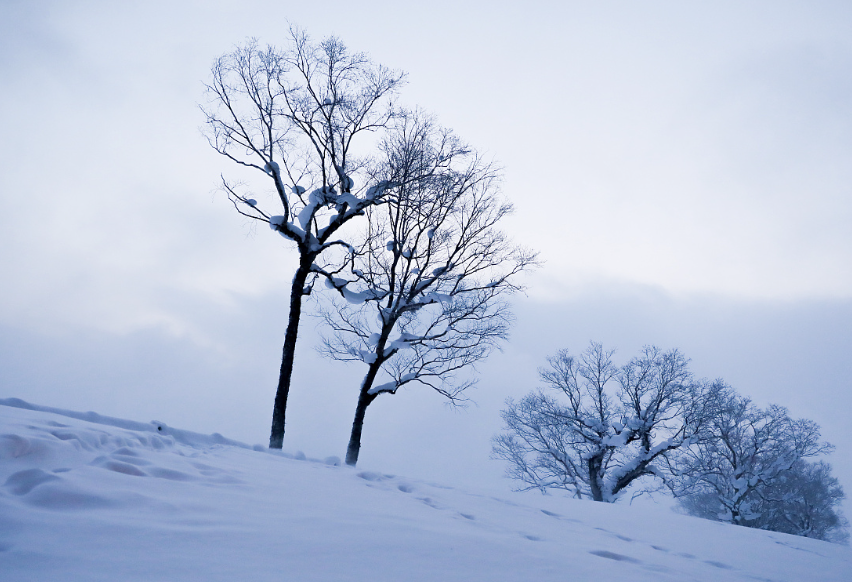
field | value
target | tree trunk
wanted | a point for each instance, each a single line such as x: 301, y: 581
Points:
x: 593, y: 465
x: 364, y: 400
x: 276, y: 436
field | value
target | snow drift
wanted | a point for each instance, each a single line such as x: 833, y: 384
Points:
x: 89, y: 497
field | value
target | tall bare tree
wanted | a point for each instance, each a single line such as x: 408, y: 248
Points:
x: 424, y: 297
x: 296, y: 116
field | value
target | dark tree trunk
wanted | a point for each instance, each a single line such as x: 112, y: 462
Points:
x: 364, y: 400
x: 594, y: 466
x: 628, y: 478
x: 276, y: 436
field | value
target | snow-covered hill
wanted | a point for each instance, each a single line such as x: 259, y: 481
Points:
x: 85, y: 497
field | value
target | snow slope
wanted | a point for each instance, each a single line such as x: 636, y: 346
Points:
x: 86, y: 497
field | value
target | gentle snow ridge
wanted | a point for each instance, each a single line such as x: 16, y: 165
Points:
x: 91, y: 497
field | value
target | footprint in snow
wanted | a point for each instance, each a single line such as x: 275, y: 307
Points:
x: 719, y: 564
x: 371, y: 476
x: 557, y: 516
x: 657, y: 568
x: 505, y: 502
x: 613, y: 556
x: 430, y: 502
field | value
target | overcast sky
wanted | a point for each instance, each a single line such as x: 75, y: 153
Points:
x: 684, y: 170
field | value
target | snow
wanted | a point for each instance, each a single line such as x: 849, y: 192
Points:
x: 616, y: 440
x: 350, y: 199
x: 377, y: 191
x: 335, y: 282
x: 386, y: 387
x: 437, y: 298
x: 85, y: 497
x: 355, y: 297
x: 272, y: 168
x: 315, y: 199
x: 401, y: 343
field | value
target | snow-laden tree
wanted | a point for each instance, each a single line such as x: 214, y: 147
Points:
x: 606, y: 427
x: 748, y: 453
x: 307, y: 120
x: 423, y: 297
x: 805, y: 501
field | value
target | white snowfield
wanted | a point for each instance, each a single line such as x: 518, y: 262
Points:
x: 87, y: 498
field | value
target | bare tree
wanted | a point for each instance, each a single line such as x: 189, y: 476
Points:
x: 424, y: 298
x: 295, y: 117
x: 617, y: 425
x: 747, y: 453
x: 805, y: 502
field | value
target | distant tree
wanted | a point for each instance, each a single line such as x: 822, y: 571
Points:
x: 750, y: 470
x: 613, y: 426
x: 805, y: 501
x: 296, y: 116
x: 424, y: 297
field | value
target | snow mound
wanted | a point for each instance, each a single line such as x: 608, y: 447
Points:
x: 90, y: 497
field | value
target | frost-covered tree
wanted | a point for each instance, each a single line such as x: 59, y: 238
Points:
x: 748, y: 454
x: 610, y: 425
x: 297, y: 117
x: 423, y: 298
x: 805, y: 501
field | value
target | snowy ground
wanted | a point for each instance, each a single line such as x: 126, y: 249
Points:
x: 85, y: 497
